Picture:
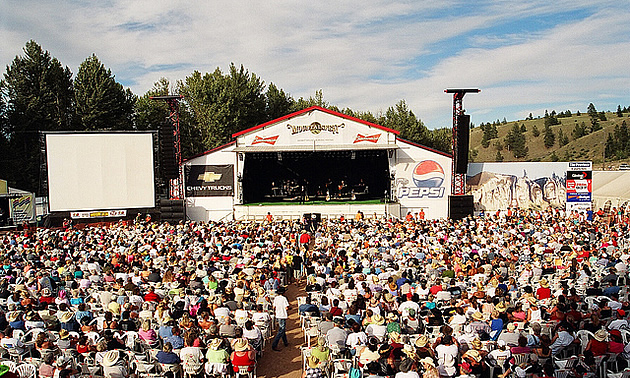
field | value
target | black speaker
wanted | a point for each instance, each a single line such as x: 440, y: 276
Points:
x: 167, y: 151
x: 172, y: 211
x: 459, y: 207
x: 463, y: 133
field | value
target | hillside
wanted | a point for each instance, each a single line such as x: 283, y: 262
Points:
x: 588, y: 147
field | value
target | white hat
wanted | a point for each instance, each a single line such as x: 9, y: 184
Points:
x: 110, y: 358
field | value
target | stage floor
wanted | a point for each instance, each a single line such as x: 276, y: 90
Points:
x: 328, y: 210
x: 318, y: 202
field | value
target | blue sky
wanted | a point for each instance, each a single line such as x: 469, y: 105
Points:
x: 525, y: 56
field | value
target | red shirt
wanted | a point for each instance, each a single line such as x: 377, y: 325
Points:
x: 305, y: 238
x: 151, y: 297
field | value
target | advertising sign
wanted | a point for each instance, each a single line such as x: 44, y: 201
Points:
x: 209, y: 180
x: 97, y: 214
x: 579, y: 185
x: 23, y: 208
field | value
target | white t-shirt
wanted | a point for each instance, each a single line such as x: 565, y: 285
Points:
x: 280, y: 305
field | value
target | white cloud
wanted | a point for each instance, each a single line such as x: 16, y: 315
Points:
x: 364, y: 55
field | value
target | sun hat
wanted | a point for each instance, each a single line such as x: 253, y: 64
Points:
x: 474, y: 354
x: 13, y: 316
x: 532, y: 301
x: 66, y: 316
x: 477, y: 315
x: 511, y: 327
x: 600, y: 335
x: 501, y: 307
x: 313, y: 362
x: 46, y: 292
x: 240, y: 345
x: 410, y: 351
x: 64, y: 334
x: 544, y: 283
x: 216, y: 343
x: 394, y: 337
x: 422, y: 341
x: 476, y: 343
x: 378, y: 320
x: 110, y: 358
x: 428, y: 361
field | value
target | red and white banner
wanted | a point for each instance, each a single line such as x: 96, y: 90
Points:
x: 267, y: 140
x: 367, y: 138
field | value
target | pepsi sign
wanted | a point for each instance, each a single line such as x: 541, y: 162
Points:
x: 428, y: 177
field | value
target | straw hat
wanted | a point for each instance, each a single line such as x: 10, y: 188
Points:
x: 216, y: 343
x: 544, y: 283
x: 64, y: 334
x: 532, y: 301
x: 428, y: 361
x: 66, y: 316
x: 14, y: 316
x: 477, y: 315
x: 394, y: 337
x: 409, y: 351
x: 313, y: 362
x: 474, y: 354
x: 511, y: 327
x: 422, y: 341
x: 476, y: 343
x: 501, y: 307
x: 46, y: 292
x: 378, y: 320
x: 110, y: 358
x: 240, y: 345
x: 601, y: 335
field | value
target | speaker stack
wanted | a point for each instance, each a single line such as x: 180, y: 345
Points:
x: 167, y: 151
x: 172, y: 211
x: 459, y: 207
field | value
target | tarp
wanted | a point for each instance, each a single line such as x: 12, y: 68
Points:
x: 611, y: 186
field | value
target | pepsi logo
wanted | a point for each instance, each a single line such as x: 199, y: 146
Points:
x: 428, y: 174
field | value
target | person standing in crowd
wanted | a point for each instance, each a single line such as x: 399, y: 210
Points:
x: 281, y: 307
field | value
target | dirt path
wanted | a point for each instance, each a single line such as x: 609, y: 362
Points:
x: 288, y: 362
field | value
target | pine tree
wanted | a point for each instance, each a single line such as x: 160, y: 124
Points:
x: 38, y: 96
x: 549, y: 137
x: 535, y: 131
x: 515, y: 142
x: 101, y: 102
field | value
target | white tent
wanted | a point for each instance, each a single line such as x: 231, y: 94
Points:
x: 613, y: 186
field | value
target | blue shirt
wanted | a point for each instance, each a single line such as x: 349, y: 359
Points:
x: 176, y: 341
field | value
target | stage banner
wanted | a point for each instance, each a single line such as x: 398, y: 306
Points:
x: 22, y: 208
x: 97, y: 214
x: 579, y: 185
x: 209, y: 180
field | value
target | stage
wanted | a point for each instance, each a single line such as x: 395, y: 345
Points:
x: 328, y: 211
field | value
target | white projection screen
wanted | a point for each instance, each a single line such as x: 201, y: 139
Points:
x: 100, y: 171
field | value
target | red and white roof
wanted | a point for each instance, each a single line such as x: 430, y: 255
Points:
x: 315, y: 129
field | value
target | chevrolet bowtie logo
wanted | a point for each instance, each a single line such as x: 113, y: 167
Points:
x: 210, y: 177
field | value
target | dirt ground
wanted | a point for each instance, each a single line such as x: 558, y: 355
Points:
x: 288, y: 362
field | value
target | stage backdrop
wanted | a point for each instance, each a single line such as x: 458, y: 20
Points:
x: 497, y: 186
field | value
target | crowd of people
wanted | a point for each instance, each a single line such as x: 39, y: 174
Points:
x: 514, y: 293
x: 397, y: 297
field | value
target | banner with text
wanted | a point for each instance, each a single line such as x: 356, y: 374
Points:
x: 209, y: 180
x: 579, y: 185
x: 23, y: 208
